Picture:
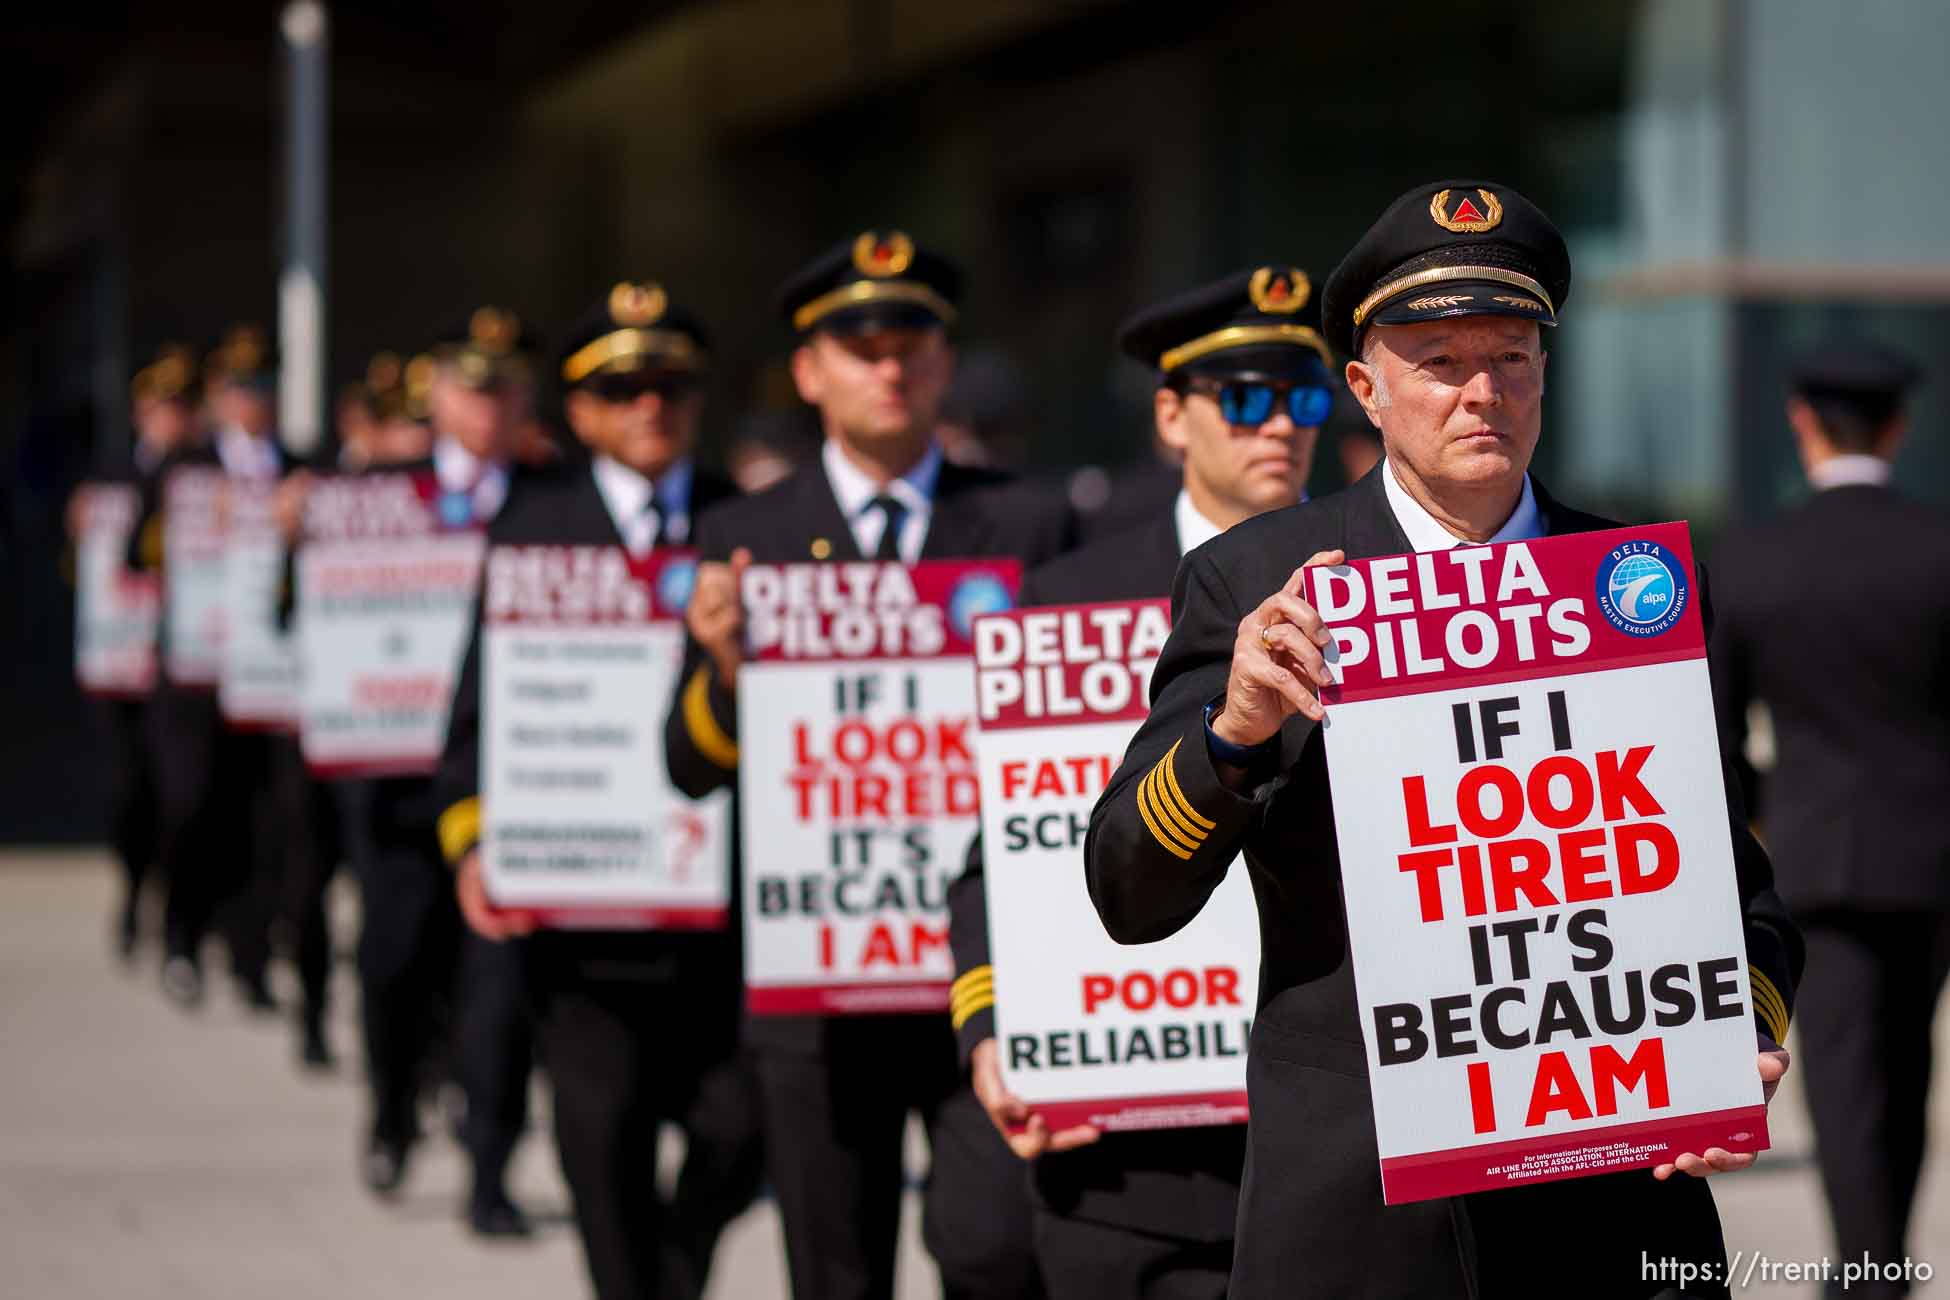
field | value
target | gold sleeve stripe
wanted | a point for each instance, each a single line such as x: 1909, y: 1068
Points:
x: 983, y: 974
x: 1769, y: 1003
x: 1167, y: 839
x: 1178, y: 795
x: 963, y: 1012
x: 976, y: 996
x: 1187, y: 834
x: 460, y: 829
x: 706, y: 734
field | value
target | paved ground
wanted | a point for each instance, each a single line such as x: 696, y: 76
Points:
x: 150, y: 1155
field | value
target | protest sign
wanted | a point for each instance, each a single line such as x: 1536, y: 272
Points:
x: 581, y: 646
x: 386, y: 584
x: 257, y: 688
x: 115, y: 608
x: 857, y: 771
x: 1537, y: 866
x: 1091, y: 1031
x: 193, y: 576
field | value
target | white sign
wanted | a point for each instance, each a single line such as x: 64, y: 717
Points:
x: 116, y: 608
x: 193, y: 576
x: 258, y: 687
x: 580, y: 651
x: 1535, y: 856
x: 857, y: 774
x: 385, y: 601
x: 1091, y: 1031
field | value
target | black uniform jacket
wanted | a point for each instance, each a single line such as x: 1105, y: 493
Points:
x: 975, y: 512
x: 1857, y: 807
x: 561, y: 506
x: 1181, y: 1183
x: 1311, y: 1220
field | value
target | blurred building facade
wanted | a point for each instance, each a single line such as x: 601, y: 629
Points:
x: 1737, y: 177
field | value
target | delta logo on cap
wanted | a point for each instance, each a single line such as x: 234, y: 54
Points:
x: 1279, y: 291
x: 1467, y: 216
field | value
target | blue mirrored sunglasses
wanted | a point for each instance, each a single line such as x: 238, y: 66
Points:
x: 1252, y: 404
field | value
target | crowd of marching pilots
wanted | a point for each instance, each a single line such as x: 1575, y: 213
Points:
x: 1434, y: 324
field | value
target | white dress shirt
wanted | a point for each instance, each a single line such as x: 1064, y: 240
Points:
x: 1426, y: 533
x: 1851, y: 469
x: 628, y: 495
x: 248, y: 457
x: 855, y: 491
x: 459, y: 470
x: 1194, y: 529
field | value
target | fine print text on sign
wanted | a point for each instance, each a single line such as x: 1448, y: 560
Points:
x: 1536, y: 861
x: 386, y: 584
x: 857, y: 769
x: 1091, y: 1031
x: 581, y: 646
x: 193, y: 560
x: 258, y: 687
x: 116, y: 608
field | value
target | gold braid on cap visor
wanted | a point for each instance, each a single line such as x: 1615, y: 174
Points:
x: 1240, y: 336
x: 866, y: 291
x: 667, y: 346
x: 1443, y: 274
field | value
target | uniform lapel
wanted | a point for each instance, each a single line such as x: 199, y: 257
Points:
x: 823, y: 515
x: 1369, y: 526
x: 957, y: 527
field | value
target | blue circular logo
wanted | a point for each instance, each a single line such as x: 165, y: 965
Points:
x: 456, y: 509
x: 1641, y: 588
x: 675, y: 583
x: 975, y: 595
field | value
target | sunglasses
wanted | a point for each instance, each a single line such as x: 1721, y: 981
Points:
x: 627, y: 388
x: 1253, y: 403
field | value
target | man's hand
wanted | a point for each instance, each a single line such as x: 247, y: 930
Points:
x: 716, y: 616
x: 1773, y: 1062
x: 483, y: 917
x: 1277, y: 664
x: 1006, y: 1110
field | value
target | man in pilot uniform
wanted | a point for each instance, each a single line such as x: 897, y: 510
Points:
x: 1243, y: 385
x: 872, y: 316
x: 1857, y: 807
x: 634, y: 1027
x: 1442, y: 303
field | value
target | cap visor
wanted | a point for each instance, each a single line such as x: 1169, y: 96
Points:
x: 1260, y: 362
x: 1463, y: 298
x: 872, y: 316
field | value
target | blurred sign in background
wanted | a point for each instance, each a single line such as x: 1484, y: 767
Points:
x: 1737, y: 177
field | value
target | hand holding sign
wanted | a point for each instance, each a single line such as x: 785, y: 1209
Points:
x: 1026, y: 1132
x: 716, y: 618
x: 1277, y: 665
x: 1773, y: 1062
x: 482, y: 916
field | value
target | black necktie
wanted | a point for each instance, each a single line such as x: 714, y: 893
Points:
x: 655, y: 506
x: 890, y: 536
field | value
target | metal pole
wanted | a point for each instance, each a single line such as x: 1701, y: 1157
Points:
x: 301, y: 284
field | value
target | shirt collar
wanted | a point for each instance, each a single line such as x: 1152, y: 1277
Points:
x: 854, y: 491
x: 628, y: 493
x: 456, y: 467
x: 1194, y: 529
x: 1852, y: 469
x: 241, y: 453
x: 1425, y: 533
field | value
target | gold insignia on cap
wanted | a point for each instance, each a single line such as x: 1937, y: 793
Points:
x: 383, y: 371
x: 242, y: 351
x: 493, y: 330
x: 1279, y: 291
x: 1511, y: 300
x: 1468, y: 218
x: 1439, y: 301
x: 637, y: 305
x: 880, y: 255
